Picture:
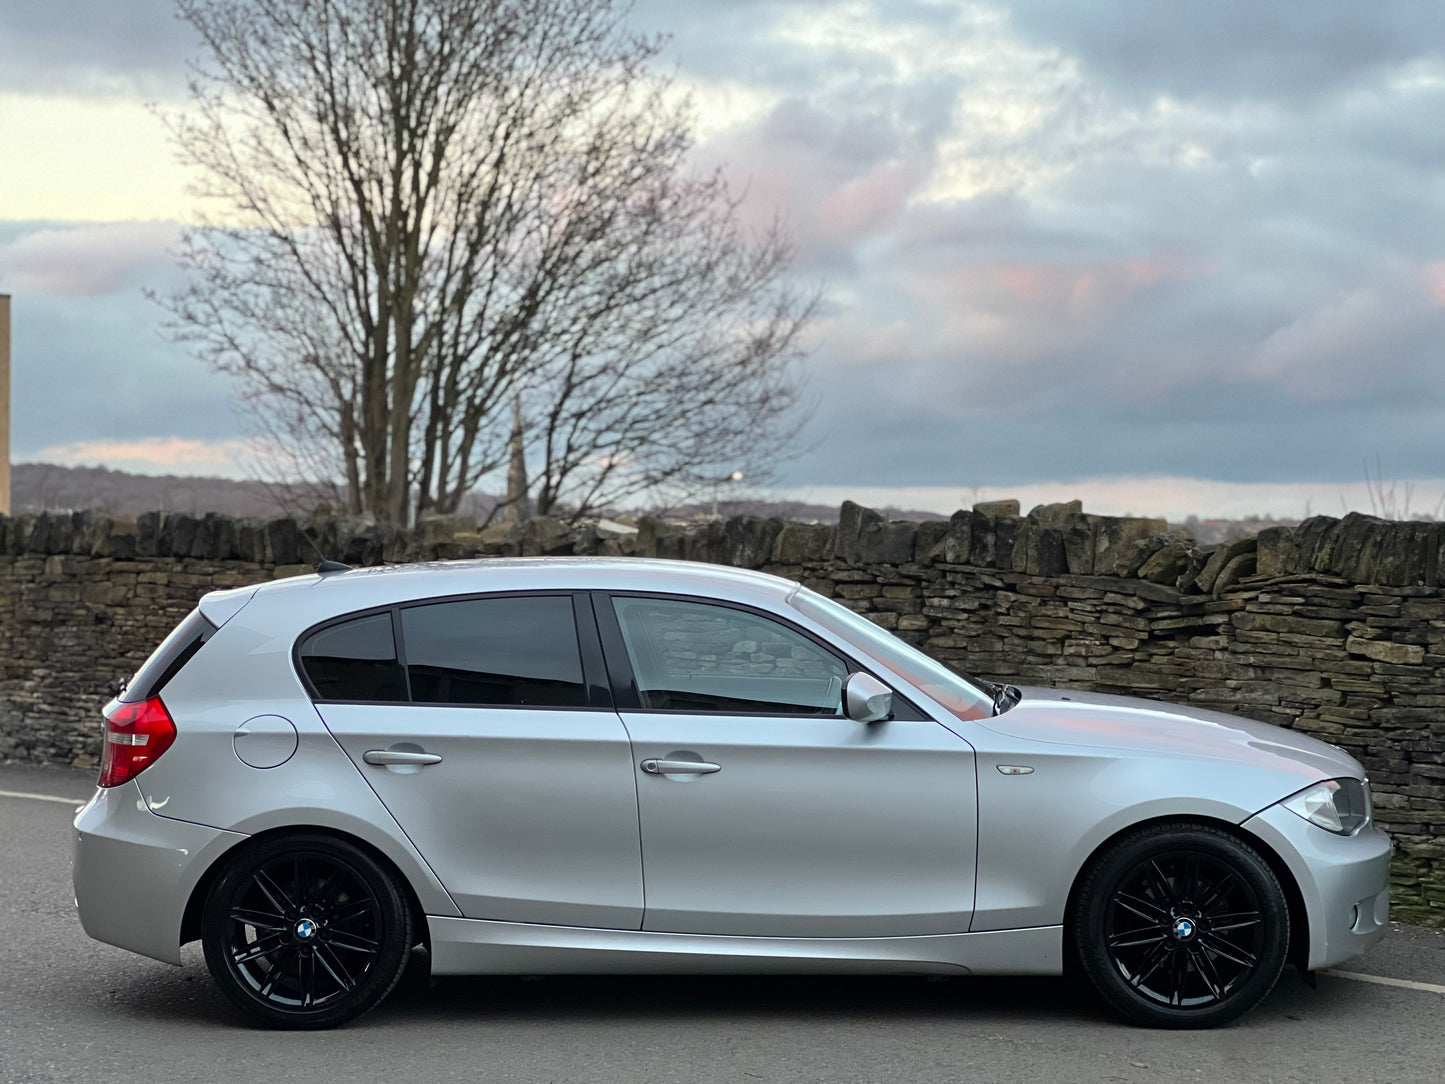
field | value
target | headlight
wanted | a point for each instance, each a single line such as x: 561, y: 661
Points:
x: 1341, y: 806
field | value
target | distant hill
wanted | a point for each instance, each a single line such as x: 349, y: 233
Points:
x: 48, y: 487
x: 795, y: 511
x: 42, y: 487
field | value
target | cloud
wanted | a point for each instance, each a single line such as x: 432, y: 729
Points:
x: 1235, y: 48
x: 98, y: 259
x: 1078, y: 275
x: 840, y: 179
x: 154, y: 455
x: 93, y: 366
x: 80, y: 159
x: 1059, y: 241
x: 1342, y: 326
x: 1434, y: 276
x: 94, y: 47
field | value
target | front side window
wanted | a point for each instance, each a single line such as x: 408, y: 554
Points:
x: 696, y: 656
x: 513, y: 650
x: 355, y: 660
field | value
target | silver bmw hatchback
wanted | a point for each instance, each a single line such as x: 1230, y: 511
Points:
x: 604, y: 766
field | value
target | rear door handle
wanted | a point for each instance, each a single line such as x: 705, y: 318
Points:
x: 658, y: 766
x: 399, y: 756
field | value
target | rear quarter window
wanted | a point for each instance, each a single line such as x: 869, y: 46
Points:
x: 166, y: 661
x: 355, y: 660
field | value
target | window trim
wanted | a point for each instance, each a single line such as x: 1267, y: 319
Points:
x: 627, y: 696
x: 343, y: 619
x: 197, y: 629
x: 589, y: 651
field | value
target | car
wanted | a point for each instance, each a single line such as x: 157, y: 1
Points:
x: 608, y: 765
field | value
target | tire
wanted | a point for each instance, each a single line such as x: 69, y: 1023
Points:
x: 1181, y: 926
x: 306, y: 931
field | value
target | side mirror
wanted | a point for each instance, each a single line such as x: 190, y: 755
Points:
x: 866, y: 699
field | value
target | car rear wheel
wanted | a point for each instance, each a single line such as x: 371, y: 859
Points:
x: 306, y: 931
x: 1181, y: 926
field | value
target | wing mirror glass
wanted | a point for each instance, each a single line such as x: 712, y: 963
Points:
x: 866, y: 699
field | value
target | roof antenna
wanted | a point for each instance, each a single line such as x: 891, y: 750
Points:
x: 327, y: 567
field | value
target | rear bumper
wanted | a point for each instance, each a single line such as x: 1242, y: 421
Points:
x: 1344, y: 880
x: 134, y: 871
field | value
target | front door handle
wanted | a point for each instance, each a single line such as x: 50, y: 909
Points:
x: 399, y: 756
x: 658, y: 766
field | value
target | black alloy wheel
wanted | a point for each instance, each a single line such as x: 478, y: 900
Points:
x: 1181, y: 926
x: 306, y: 931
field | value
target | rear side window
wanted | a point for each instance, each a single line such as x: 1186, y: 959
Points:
x: 166, y: 661
x: 355, y: 660
x: 516, y: 650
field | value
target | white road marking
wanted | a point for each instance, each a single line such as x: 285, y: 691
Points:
x: 42, y: 797
x: 1383, y: 980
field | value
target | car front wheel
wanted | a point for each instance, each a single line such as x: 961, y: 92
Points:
x: 1181, y: 926
x: 306, y: 931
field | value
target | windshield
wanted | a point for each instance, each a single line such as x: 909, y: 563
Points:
x: 960, y: 695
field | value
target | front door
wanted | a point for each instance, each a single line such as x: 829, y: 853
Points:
x: 479, y: 737
x: 765, y: 811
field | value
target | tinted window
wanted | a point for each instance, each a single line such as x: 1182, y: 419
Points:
x: 514, y: 650
x: 957, y: 693
x: 693, y: 656
x: 166, y: 661
x: 355, y: 660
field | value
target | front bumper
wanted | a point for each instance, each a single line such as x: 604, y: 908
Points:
x: 1344, y: 881
x: 134, y: 871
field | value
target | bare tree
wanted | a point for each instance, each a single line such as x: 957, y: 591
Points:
x: 426, y: 208
x: 687, y: 382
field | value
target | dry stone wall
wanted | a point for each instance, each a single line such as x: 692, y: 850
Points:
x: 1335, y: 628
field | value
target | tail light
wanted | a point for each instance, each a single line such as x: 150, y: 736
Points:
x: 135, y: 737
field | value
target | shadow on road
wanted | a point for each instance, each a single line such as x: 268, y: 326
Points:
x: 187, y: 996
x: 690, y: 999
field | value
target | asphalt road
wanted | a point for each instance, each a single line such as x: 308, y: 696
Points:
x: 73, y: 1009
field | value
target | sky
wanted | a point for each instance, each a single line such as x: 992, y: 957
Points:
x: 1166, y: 258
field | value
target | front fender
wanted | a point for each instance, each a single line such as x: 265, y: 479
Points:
x: 1037, y: 831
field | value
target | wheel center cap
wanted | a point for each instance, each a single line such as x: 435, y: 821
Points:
x: 306, y: 929
x: 1183, y: 929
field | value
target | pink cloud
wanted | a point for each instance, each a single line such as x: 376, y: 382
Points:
x: 1435, y: 281
x: 155, y: 455
x: 86, y: 260
x: 1023, y: 310
x: 864, y: 205
x: 1341, y: 325
x: 1316, y: 353
x: 837, y: 182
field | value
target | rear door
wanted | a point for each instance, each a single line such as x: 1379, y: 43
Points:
x: 485, y: 727
x: 764, y: 810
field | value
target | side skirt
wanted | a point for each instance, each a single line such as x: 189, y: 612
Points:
x: 462, y: 946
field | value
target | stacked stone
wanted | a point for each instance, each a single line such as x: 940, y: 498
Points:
x: 1361, y: 665
x: 1335, y: 628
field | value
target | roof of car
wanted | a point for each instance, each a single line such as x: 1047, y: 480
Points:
x: 359, y: 588
x: 575, y: 571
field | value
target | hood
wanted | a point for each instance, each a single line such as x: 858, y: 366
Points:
x: 1126, y: 723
